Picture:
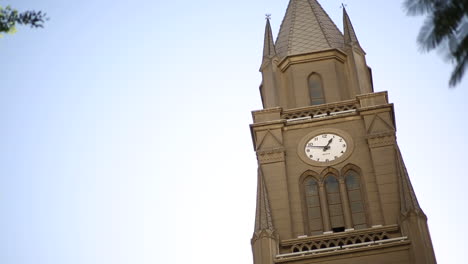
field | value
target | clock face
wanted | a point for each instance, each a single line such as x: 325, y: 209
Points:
x: 325, y: 147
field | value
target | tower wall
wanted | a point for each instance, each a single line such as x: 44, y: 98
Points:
x: 333, y: 187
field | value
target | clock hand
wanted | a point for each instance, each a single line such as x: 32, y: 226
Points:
x: 327, y: 147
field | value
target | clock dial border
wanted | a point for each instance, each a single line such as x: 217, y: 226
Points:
x: 303, y: 142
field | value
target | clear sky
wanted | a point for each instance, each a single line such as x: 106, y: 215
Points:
x: 124, y: 128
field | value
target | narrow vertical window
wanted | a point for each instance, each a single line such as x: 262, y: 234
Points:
x: 316, y: 90
x: 353, y: 185
x: 334, y: 204
x: 314, y: 215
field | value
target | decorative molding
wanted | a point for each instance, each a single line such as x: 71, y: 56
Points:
x: 379, y: 123
x: 322, y: 111
x: 265, y: 233
x: 381, y: 140
x: 343, y: 252
x: 269, y: 134
x: 332, y: 53
x: 343, y: 239
x: 390, y: 229
x: 271, y: 155
x: 268, y: 110
x: 316, y: 246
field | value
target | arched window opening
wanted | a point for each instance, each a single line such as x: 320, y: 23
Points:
x: 335, y: 207
x: 314, y: 214
x: 353, y: 186
x: 316, y: 90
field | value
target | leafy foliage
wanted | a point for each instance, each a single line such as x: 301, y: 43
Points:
x: 446, y: 27
x: 10, y: 17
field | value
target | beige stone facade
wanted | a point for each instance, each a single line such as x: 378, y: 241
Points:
x: 348, y: 199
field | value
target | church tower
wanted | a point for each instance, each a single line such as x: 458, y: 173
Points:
x: 332, y: 184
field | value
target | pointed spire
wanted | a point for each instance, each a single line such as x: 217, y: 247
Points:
x: 263, y: 219
x: 349, y: 34
x: 268, y: 45
x: 307, y: 28
x: 408, y: 200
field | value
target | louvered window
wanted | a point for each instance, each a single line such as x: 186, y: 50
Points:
x: 313, y: 206
x: 353, y: 186
x: 316, y: 90
x: 335, y: 207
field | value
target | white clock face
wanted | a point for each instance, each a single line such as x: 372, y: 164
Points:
x: 325, y: 147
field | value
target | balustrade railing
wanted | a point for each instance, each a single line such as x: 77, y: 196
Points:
x: 320, y: 111
x: 339, y: 241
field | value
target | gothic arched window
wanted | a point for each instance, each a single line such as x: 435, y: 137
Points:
x: 316, y: 89
x: 314, y: 215
x: 353, y: 186
x: 335, y: 207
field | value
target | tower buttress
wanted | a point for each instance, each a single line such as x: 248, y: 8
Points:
x: 412, y: 218
x: 264, y: 239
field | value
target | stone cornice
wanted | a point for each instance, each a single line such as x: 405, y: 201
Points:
x: 336, y: 54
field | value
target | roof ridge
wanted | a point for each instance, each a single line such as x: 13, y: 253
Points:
x: 320, y: 22
x: 293, y: 21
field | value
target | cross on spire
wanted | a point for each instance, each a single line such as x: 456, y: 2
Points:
x: 267, y: 16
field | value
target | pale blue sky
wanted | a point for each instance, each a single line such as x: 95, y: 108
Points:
x: 125, y: 132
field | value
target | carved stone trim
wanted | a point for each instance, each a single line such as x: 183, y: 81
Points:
x: 321, y: 111
x: 270, y: 155
x: 381, y: 140
x: 265, y: 233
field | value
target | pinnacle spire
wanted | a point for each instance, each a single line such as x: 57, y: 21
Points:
x: 306, y: 28
x: 268, y: 45
x: 409, y: 202
x: 349, y: 34
x: 263, y: 219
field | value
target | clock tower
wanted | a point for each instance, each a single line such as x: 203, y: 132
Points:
x: 332, y: 184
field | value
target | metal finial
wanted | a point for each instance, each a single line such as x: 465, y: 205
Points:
x: 267, y: 16
x: 343, y: 5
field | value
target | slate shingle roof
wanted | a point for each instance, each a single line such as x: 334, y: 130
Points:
x: 307, y: 28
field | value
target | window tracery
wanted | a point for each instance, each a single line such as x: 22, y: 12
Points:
x: 333, y: 203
